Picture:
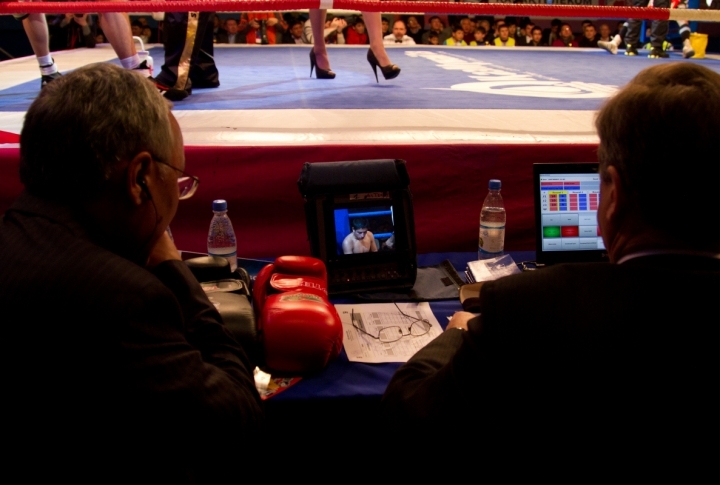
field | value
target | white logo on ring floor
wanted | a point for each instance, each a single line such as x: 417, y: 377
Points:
x: 495, y: 79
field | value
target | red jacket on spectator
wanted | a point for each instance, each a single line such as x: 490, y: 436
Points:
x: 560, y: 43
x: 352, y: 37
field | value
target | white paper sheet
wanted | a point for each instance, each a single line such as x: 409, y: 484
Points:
x: 372, y: 317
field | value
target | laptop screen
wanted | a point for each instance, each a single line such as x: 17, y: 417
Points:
x: 566, y: 203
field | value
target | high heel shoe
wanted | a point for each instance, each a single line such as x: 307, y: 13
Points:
x: 391, y: 71
x: 319, y: 73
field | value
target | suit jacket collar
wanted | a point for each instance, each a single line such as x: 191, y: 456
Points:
x: 57, y: 212
x: 689, y: 261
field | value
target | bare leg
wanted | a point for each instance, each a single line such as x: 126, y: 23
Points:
x: 116, y: 27
x: 317, y: 22
x: 374, y: 28
x: 36, y: 29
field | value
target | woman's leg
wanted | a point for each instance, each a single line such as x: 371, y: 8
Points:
x: 317, y: 22
x: 374, y: 28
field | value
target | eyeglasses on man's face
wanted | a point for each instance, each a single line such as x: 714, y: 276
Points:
x: 187, y: 184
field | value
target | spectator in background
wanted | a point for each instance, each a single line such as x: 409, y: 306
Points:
x: 468, y: 27
x: 525, y: 34
x: 147, y: 34
x: 565, y: 38
x: 385, y: 27
x: 414, y: 29
x: 433, y: 39
x: 357, y: 34
x: 438, y: 28
x: 338, y: 36
x: 503, y: 38
x: 231, y: 34
x: 605, y: 33
x: 334, y: 27
x: 399, y: 35
x: 537, y: 38
x: 584, y: 24
x: 136, y: 28
x: 551, y: 35
x: 590, y: 37
x: 496, y: 27
x: 263, y: 28
x: 512, y: 27
x: 480, y: 34
x: 457, y: 38
x: 218, y: 30
x: 294, y: 35
x: 71, y: 31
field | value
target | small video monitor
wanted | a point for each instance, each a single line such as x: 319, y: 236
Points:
x: 363, y: 230
x: 567, y: 196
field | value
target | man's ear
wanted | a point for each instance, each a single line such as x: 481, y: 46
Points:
x: 137, y: 175
x: 614, y: 207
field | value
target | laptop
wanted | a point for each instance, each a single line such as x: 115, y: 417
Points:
x: 566, y: 203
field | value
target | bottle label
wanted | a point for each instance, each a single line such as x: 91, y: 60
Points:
x: 491, y: 238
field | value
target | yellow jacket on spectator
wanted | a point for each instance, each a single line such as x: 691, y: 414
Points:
x: 509, y: 43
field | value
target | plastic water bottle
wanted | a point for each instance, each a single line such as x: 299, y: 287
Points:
x: 491, y: 241
x: 221, y: 237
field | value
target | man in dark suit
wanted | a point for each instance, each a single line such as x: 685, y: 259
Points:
x: 608, y: 362
x: 117, y: 364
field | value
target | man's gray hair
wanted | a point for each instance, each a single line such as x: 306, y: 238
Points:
x: 84, y: 127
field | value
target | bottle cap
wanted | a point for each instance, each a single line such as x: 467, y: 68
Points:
x: 219, y: 205
x: 495, y: 184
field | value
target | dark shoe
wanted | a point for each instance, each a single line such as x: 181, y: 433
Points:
x: 658, y: 53
x: 319, y: 73
x: 172, y: 94
x: 631, y: 50
x: 46, y: 79
x: 143, y: 69
x: 391, y: 71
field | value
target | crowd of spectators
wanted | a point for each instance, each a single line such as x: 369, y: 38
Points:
x: 70, y: 31
x: 293, y: 28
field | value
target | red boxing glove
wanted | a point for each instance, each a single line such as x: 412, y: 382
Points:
x: 301, y: 330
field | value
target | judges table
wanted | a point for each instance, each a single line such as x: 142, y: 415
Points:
x: 350, y: 392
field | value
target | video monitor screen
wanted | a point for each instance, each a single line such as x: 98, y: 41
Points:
x: 361, y: 230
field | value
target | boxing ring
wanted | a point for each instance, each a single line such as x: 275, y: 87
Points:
x: 459, y: 116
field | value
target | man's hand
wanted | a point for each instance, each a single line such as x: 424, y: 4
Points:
x: 81, y: 21
x: 164, y: 250
x: 271, y: 21
x: 339, y: 24
x: 253, y: 24
x: 460, y: 320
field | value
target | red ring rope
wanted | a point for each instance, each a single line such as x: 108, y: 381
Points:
x: 530, y: 10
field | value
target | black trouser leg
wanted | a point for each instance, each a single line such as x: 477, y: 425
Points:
x: 203, y: 72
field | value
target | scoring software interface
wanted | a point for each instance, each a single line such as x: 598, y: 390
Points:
x: 569, y: 204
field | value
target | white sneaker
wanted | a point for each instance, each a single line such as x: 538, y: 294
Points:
x: 609, y: 46
x: 687, y: 50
